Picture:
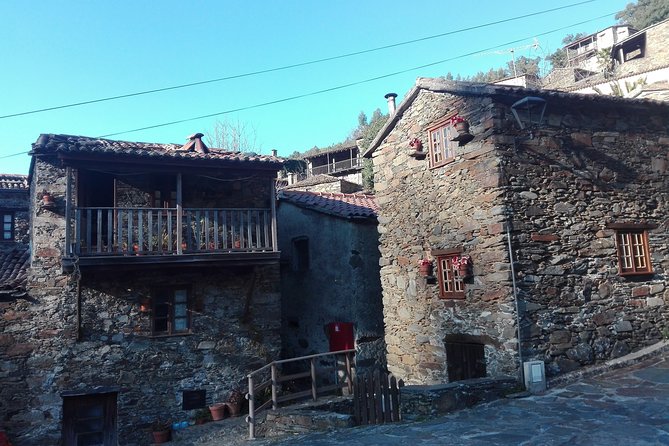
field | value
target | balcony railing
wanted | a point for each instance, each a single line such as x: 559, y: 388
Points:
x: 110, y: 231
x: 351, y: 163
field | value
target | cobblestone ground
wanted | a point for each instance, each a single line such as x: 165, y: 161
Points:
x: 627, y: 406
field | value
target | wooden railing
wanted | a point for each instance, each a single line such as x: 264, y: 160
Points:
x: 157, y: 231
x: 338, y: 166
x: 270, y: 377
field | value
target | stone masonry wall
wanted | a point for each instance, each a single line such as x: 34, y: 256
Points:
x: 422, y: 209
x: 233, y: 332
x: 585, y: 168
x: 341, y: 284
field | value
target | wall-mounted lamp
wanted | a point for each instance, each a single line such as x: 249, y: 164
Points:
x: 529, y: 111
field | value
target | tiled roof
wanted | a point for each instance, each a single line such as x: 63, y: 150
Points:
x: 504, y: 93
x: 313, y: 181
x: 10, y: 181
x: 13, y: 268
x: 346, y: 146
x: 340, y: 205
x: 150, y: 152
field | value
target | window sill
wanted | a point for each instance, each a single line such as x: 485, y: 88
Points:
x: 636, y: 273
x: 171, y: 335
x: 443, y: 163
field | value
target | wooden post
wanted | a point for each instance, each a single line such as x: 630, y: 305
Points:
x: 68, y: 212
x: 251, y: 418
x: 349, y: 373
x: 179, y: 214
x: 314, y: 392
x: 274, y: 385
x: 275, y: 246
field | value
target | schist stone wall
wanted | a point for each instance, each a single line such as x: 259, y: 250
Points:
x: 455, y: 206
x: 340, y: 284
x: 235, y: 328
x: 586, y: 168
x: 590, y: 164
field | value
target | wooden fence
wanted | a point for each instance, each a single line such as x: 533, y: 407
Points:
x: 270, y: 377
x: 376, y: 398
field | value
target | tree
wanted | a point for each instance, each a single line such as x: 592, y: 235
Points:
x: 233, y: 136
x: 644, y: 13
x: 558, y: 59
x: 525, y: 65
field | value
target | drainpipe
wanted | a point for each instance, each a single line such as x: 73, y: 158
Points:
x: 515, y: 299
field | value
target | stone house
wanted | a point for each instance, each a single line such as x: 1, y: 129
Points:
x: 343, y: 162
x: 13, y: 210
x: 562, y: 227
x: 330, y: 274
x: 153, y: 288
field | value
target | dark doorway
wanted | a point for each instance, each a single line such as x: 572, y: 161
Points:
x: 90, y: 420
x: 466, y: 360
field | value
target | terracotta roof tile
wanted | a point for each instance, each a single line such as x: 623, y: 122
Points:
x: 74, y: 145
x: 340, y: 205
x: 10, y: 181
x: 13, y: 268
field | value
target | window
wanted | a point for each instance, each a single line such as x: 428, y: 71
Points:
x: 171, y: 314
x: 633, y: 253
x: 7, y: 226
x: 300, y: 254
x: 442, y: 149
x: 451, y: 280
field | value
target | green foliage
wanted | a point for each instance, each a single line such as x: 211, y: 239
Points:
x: 368, y: 175
x: 644, y: 13
x: 525, y: 65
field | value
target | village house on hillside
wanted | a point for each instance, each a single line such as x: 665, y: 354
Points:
x: 153, y: 288
x: 14, y: 251
x: 637, y: 63
x: 330, y: 275
x: 505, y: 208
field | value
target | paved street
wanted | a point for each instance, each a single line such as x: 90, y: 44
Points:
x: 628, y: 406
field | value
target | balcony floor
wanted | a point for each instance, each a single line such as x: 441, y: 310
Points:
x: 199, y: 259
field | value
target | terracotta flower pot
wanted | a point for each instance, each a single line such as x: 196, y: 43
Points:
x: 160, y: 437
x: 425, y: 269
x: 218, y: 411
x: 462, y: 127
x: 234, y: 408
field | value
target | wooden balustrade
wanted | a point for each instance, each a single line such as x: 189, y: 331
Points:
x: 157, y: 231
x: 270, y: 377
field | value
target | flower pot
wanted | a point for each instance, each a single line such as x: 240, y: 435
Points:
x: 425, y: 269
x: 218, y: 411
x: 160, y: 437
x: 145, y: 306
x: 234, y: 408
x: 462, y: 127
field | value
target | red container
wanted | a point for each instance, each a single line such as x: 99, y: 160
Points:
x: 341, y: 336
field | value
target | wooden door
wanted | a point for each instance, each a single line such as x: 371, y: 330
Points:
x: 465, y: 361
x: 90, y: 420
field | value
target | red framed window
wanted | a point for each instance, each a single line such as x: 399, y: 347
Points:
x: 442, y: 149
x: 633, y: 252
x: 451, y: 279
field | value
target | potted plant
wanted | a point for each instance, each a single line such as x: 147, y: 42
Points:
x: 425, y: 267
x: 202, y: 416
x: 160, y: 430
x: 462, y: 127
x: 416, y: 148
x: 47, y: 199
x: 234, y: 402
x: 145, y: 305
x: 462, y: 265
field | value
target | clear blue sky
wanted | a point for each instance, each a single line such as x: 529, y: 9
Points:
x: 59, y: 52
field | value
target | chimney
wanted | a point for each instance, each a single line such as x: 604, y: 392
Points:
x: 195, y: 142
x: 391, y: 102
x: 274, y: 153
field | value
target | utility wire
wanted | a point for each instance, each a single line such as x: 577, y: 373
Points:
x: 351, y: 84
x: 286, y: 67
x: 14, y: 154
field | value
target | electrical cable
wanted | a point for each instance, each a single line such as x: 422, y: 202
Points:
x: 339, y: 87
x: 286, y: 67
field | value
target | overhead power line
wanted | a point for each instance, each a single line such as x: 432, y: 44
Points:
x: 286, y: 67
x: 351, y: 84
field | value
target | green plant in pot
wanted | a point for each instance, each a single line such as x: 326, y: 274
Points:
x: 234, y: 403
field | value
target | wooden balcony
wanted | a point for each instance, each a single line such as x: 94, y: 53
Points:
x: 115, y: 235
x: 335, y: 167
